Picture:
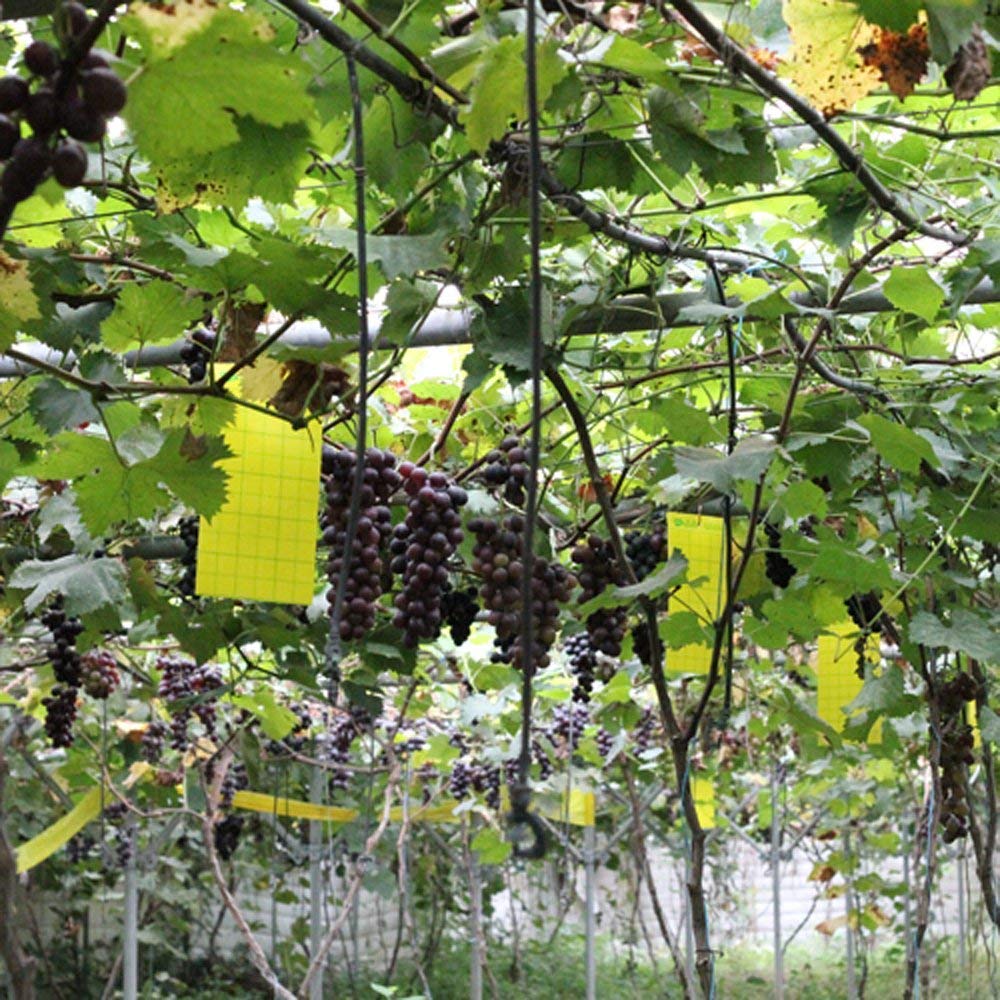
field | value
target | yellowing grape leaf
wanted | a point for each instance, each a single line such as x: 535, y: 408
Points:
x: 18, y: 301
x: 825, y: 66
x: 169, y: 25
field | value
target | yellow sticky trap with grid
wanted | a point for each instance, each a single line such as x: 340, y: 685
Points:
x: 261, y: 545
x: 837, y: 678
x: 702, y: 541
x: 703, y: 793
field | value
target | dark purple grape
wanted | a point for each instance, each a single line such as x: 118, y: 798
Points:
x: 80, y: 122
x: 95, y: 59
x: 42, y: 111
x: 25, y: 169
x: 13, y: 93
x: 69, y: 163
x: 41, y: 58
x: 10, y: 133
x: 98, y: 673
x: 77, y: 18
x: 103, y: 91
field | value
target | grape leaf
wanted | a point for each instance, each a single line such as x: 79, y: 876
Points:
x: 896, y: 15
x: 913, y: 290
x: 225, y: 66
x: 498, y: 94
x: 153, y: 313
x: 989, y: 724
x: 825, y: 65
x: 899, y: 446
x: 968, y: 633
x: 87, y: 584
x: 749, y: 461
x: 18, y: 301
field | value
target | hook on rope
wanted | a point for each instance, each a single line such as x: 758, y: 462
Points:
x: 524, y: 828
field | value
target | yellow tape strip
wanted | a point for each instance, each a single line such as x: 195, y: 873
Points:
x: 45, y: 844
x: 703, y: 793
x: 262, y: 544
x: 702, y: 541
x: 577, y: 809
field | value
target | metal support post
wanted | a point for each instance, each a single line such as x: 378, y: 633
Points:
x: 130, y: 938
x: 316, y: 892
x: 779, y: 972
x: 475, y: 930
x: 962, y: 916
x: 852, y: 977
x: 590, y: 915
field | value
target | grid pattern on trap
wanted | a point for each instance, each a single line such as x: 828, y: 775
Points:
x: 837, y: 680
x: 702, y: 541
x: 261, y: 545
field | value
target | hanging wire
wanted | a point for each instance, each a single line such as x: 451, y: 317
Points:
x: 334, y: 652
x: 520, y: 820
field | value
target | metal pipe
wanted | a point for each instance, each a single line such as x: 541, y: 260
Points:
x: 130, y: 936
x: 475, y: 930
x: 852, y: 972
x: 316, y: 881
x: 444, y: 326
x: 779, y: 972
x: 590, y: 915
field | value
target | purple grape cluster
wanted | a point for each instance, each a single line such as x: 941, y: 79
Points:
x: 542, y: 759
x: 483, y: 779
x: 99, y: 673
x: 188, y: 530
x: 63, y: 105
x: 582, y: 659
x: 646, y: 550
x: 195, y: 354
x: 60, y: 714
x: 459, y: 609
x: 644, y: 731
x: 605, y: 741
x: 190, y: 690
x: 336, y: 749
x: 568, y: 724
x: 295, y: 741
x: 366, y: 570
x: 957, y: 742
x: 61, y: 704
x: 598, y: 571
x: 507, y: 468
x: 776, y: 567
x: 498, y: 559
x: 421, y: 547
x: 153, y: 741
x: 226, y: 834
x: 63, y: 654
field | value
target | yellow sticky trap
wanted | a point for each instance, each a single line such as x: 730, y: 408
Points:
x: 972, y: 718
x: 702, y: 541
x: 577, y: 809
x: 45, y: 844
x: 261, y: 545
x: 838, y: 683
x: 703, y: 793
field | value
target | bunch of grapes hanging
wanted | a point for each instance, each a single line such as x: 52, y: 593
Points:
x: 380, y: 480
x: 498, y: 559
x: 422, y: 547
x: 957, y: 741
x: 61, y: 103
x: 599, y: 570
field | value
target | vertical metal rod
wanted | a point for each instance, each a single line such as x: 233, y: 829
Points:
x: 779, y: 972
x: 355, y: 930
x: 907, y: 916
x: 688, y: 926
x: 852, y: 981
x: 962, y: 917
x: 316, y: 887
x: 590, y: 917
x: 475, y: 931
x: 130, y: 941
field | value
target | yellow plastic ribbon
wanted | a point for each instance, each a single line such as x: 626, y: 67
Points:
x: 45, y: 844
